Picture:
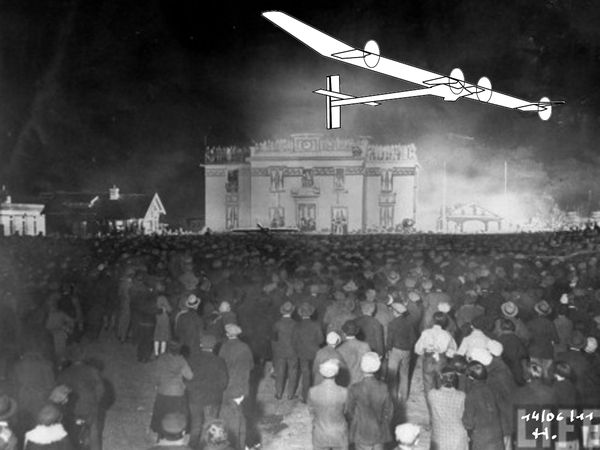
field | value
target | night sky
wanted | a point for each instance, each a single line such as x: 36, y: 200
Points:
x: 128, y: 92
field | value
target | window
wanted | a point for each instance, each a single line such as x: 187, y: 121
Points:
x: 276, y: 175
x: 338, y: 179
x: 232, y: 214
x: 307, y: 178
x: 232, y: 184
x: 387, y: 181
x: 307, y: 216
x: 386, y: 217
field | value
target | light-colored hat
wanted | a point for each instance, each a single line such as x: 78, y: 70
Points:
x: 286, y: 308
x: 333, y: 338
x: 413, y: 296
x: 444, y: 307
x: 400, y: 308
x: 481, y: 355
x: 350, y: 286
x: 329, y: 368
x: 543, y: 308
x: 367, y: 308
x: 410, y: 283
x: 495, y: 348
x: 192, y: 302
x: 591, y: 345
x: 231, y: 329
x: 407, y: 433
x: 393, y: 277
x: 509, y: 309
x: 370, y: 362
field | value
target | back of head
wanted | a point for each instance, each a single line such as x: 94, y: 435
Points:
x: 535, y: 370
x: 449, y: 377
x: 507, y: 325
x: 563, y: 369
x: 350, y: 328
x: 440, y: 318
x: 476, y: 371
x: 49, y: 415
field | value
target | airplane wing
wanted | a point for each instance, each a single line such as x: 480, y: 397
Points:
x: 332, y: 48
x: 448, y: 87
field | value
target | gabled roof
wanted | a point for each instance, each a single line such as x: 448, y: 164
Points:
x: 127, y: 206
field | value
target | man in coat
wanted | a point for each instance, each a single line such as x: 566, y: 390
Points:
x: 240, y: 362
x: 326, y: 353
x: 205, y: 389
x: 371, y: 330
x: 189, y: 325
x: 401, y: 340
x: 480, y: 417
x: 543, y: 337
x: 87, y: 392
x: 370, y: 408
x: 307, y: 338
x: 352, y: 350
x: 327, y: 404
x: 285, y: 358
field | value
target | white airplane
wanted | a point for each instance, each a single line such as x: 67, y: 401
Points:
x: 450, y: 88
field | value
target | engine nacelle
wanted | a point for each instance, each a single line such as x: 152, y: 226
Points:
x: 484, y: 89
x: 372, y: 56
x: 458, y: 77
x: 545, y: 108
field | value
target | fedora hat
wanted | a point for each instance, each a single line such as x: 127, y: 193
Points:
x: 543, y: 308
x: 509, y: 309
x: 286, y: 308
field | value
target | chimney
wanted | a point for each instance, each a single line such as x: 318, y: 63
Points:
x: 113, y: 193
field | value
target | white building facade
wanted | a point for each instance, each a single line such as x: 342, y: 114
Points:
x: 24, y: 219
x: 314, y: 183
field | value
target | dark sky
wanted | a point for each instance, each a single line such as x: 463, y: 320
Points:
x: 127, y: 92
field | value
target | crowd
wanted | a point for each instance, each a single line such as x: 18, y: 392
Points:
x: 497, y: 322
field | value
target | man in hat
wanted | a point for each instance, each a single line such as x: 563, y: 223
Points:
x: 173, y: 433
x: 189, y: 326
x: 326, y: 353
x: 370, y: 407
x: 205, y: 389
x: 510, y: 311
x: 583, y: 374
x: 371, y: 330
x: 307, y: 338
x: 469, y: 310
x: 543, y: 337
x: 285, y: 359
x: 407, y: 436
x: 8, y: 409
x: 514, y: 351
x: 435, y: 344
x: 352, y: 351
x: 240, y: 362
x: 400, y: 343
x: 49, y: 432
x: 431, y: 300
x: 87, y: 393
x: 327, y: 405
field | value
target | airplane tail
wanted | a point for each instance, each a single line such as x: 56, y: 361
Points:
x: 334, y: 113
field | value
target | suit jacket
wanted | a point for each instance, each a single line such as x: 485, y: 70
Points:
x: 352, y: 350
x: 481, y: 418
x: 240, y: 362
x: 514, y: 352
x: 372, y: 333
x: 327, y: 403
x: 189, y: 327
x: 584, y: 379
x: 502, y: 384
x: 210, y: 378
x: 324, y: 354
x: 87, y: 389
x: 307, y: 338
x: 282, y: 341
x: 370, y: 409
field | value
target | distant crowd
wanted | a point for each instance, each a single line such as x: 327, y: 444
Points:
x: 496, y: 323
